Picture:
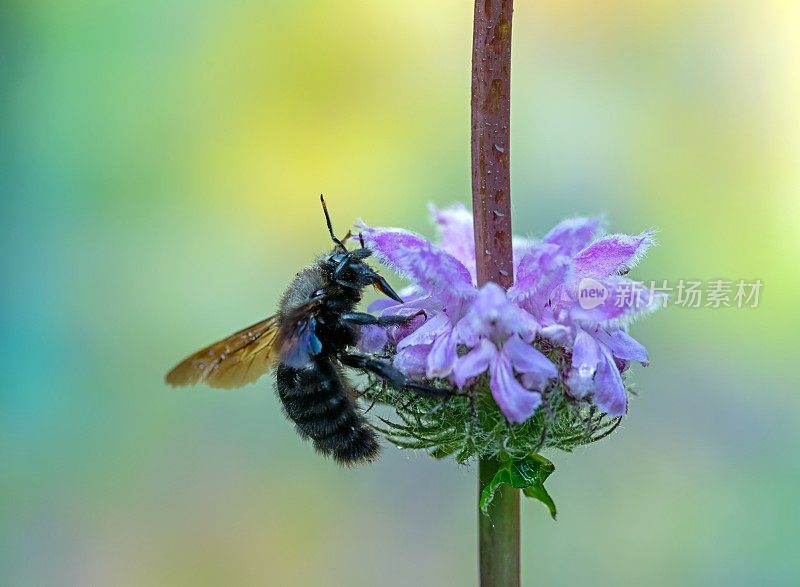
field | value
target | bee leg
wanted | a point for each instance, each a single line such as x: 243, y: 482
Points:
x: 364, y: 319
x: 390, y: 375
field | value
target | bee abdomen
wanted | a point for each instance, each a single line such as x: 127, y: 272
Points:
x: 317, y: 399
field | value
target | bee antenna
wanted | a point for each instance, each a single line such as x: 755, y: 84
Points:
x: 328, y: 222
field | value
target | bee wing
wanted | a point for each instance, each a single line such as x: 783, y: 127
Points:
x: 297, y: 341
x: 231, y: 362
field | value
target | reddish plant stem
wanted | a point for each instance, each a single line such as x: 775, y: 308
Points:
x: 499, y: 531
x: 491, y: 109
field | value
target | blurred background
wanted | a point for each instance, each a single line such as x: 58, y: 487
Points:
x: 160, y: 166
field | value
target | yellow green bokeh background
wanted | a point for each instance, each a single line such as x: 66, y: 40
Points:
x: 160, y: 169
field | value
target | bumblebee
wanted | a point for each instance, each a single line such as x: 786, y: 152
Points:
x: 309, y: 342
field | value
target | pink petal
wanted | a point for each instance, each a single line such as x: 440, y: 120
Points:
x: 573, y: 234
x: 609, y: 390
x: 484, y: 313
x: 557, y: 333
x: 373, y: 339
x: 539, y: 271
x: 622, y: 345
x: 520, y: 248
x: 415, y: 258
x: 610, y: 254
x: 456, y: 233
x: 474, y: 362
x: 534, y: 381
x: 517, y: 403
x: 526, y: 359
x: 428, y: 332
x: 522, y: 323
x: 412, y: 305
x: 442, y: 356
x: 412, y: 361
x: 381, y: 304
x: 585, y: 358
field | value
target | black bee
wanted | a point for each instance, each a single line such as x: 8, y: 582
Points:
x: 311, y: 339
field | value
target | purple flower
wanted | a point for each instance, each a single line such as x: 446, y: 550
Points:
x: 443, y: 288
x: 499, y: 334
x: 549, y: 285
x: 496, y: 333
x: 467, y: 332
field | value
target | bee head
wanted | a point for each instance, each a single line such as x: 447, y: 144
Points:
x: 348, y: 268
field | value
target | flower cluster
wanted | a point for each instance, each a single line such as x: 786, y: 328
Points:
x: 461, y: 332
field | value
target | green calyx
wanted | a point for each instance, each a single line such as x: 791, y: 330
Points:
x: 471, y: 426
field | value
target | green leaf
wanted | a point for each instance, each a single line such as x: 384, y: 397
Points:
x: 528, y: 474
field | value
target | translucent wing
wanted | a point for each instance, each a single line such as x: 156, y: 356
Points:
x: 232, y: 362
